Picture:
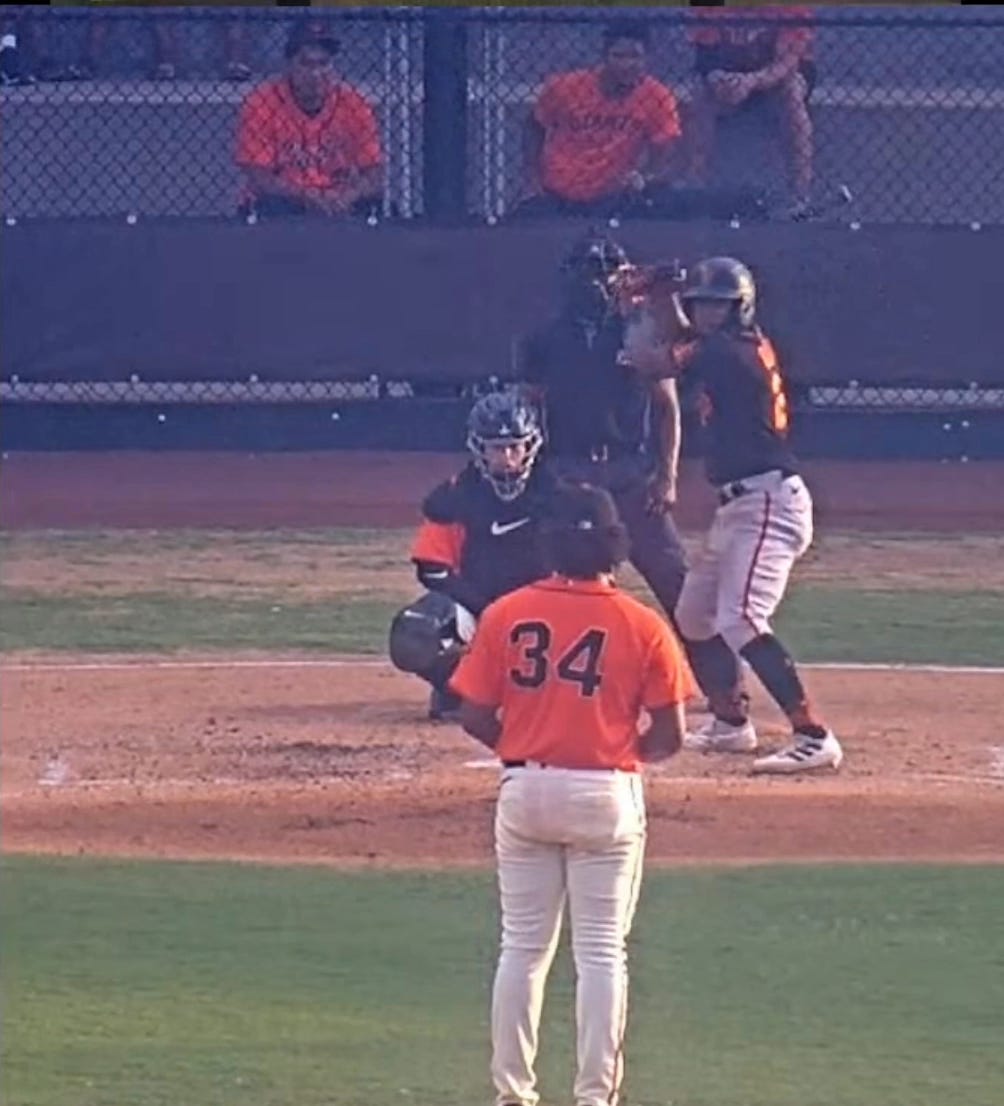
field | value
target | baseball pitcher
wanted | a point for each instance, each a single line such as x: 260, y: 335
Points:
x: 554, y: 683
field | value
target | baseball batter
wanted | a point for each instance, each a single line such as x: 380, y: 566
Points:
x: 477, y: 540
x: 763, y: 523
x: 554, y: 682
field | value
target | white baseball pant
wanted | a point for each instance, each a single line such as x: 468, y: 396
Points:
x: 739, y: 579
x: 576, y: 835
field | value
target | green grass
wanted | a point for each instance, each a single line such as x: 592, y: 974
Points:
x: 126, y: 591
x: 131, y: 984
x: 836, y: 624
x: 92, y: 544
x: 152, y: 622
x: 820, y: 623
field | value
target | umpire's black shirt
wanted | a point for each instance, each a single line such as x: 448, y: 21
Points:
x: 590, y: 401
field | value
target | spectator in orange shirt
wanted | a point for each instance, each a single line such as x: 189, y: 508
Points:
x: 743, y: 55
x: 599, y: 141
x: 309, y: 143
x: 554, y: 683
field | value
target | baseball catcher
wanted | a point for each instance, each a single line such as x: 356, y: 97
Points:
x: 477, y: 541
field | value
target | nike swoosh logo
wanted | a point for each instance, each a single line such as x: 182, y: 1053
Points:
x: 500, y: 528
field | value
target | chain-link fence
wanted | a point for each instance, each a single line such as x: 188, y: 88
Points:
x: 114, y: 111
x: 852, y: 397
x: 904, y: 109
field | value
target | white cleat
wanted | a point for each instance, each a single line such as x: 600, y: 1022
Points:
x: 717, y: 736
x: 804, y: 754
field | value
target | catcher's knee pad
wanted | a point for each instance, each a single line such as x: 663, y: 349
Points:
x: 427, y: 634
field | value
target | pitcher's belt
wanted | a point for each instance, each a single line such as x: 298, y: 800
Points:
x: 540, y: 764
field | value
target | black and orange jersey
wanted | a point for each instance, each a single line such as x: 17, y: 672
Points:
x: 742, y: 402
x: 489, y: 545
x: 571, y: 663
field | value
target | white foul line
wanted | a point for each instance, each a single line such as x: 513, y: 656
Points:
x: 143, y: 665
x: 900, y: 666
x: 383, y: 662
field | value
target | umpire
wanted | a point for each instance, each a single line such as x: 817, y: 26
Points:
x: 610, y: 426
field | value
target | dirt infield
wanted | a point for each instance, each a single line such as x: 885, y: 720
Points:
x: 308, y: 761
x: 164, y: 490
x: 311, y: 761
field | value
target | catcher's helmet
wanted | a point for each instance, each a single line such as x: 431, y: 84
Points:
x: 724, y: 278
x: 504, y: 418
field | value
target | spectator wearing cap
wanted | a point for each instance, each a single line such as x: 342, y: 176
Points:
x: 600, y: 139
x: 308, y: 142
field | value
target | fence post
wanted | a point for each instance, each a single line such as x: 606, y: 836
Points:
x: 444, y: 114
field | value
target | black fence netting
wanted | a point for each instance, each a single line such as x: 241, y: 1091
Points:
x: 867, y: 114
x: 150, y: 111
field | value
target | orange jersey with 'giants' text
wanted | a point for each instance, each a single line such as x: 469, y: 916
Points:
x: 571, y: 663
x: 592, y: 141
x: 309, y: 151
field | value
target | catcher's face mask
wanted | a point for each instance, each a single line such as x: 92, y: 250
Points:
x: 506, y: 463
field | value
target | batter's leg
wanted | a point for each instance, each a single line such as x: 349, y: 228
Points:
x: 658, y: 554
x: 713, y: 662
x: 532, y: 889
x: 767, y: 532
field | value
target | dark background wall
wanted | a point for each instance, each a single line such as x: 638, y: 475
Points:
x: 304, y: 301
x: 191, y: 329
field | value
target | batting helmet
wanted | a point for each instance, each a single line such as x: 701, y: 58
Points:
x: 723, y: 278
x: 503, y: 419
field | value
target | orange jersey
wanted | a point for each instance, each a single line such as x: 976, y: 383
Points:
x: 439, y: 542
x: 744, y: 39
x: 571, y: 663
x: 309, y: 151
x: 592, y: 141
